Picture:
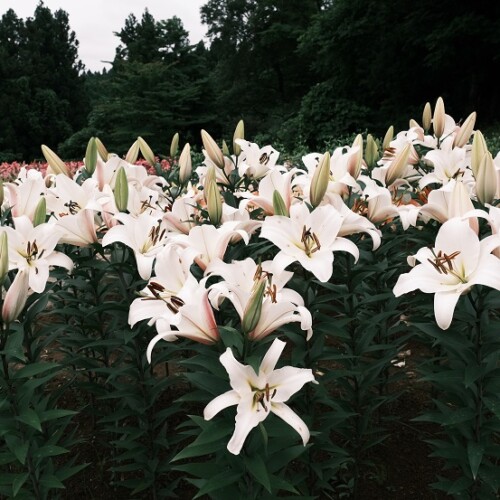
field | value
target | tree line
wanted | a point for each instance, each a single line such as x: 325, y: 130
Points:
x: 299, y: 72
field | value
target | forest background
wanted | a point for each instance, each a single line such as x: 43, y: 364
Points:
x: 301, y: 73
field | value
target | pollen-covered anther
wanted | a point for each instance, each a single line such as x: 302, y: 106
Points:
x: 443, y: 263
x: 310, y: 241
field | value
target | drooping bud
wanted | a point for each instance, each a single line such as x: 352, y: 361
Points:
x: 185, y: 165
x: 121, y: 190
x: 40, y: 214
x: 253, y: 310
x: 55, y: 163
x: 213, y: 151
x: 213, y: 199
x: 319, y: 182
x: 463, y: 135
x: 132, y: 153
x: 239, y: 133
x: 479, y: 149
x: 4, y: 256
x: 427, y: 117
x: 356, y: 160
x: 174, y: 145
x: 398, y: 165
x: 146, y: 151
x: 438, y: 120
x: 91, y: 156
x: 371, y: 152
x: 388, y: 137
x: 486, y: 180
x: 279, y: 206
x: 101, y: 149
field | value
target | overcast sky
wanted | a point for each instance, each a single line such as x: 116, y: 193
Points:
x: 94, y: 21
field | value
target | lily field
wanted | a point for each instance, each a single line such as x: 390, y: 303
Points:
x: 247, y: 327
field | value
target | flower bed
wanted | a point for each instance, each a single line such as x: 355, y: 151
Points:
x: 251, y: 329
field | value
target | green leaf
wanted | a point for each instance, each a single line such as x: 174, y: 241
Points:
x: 51, y: 481
x: 14, y: 345
x: 475, y: 453
x: 17, y: 447
x: 217, y: 482
x: 18, y: 482
x: 56, y: 413
x: 30, y: 417
x: 49, y: 450
x: 258, y: 469
x: 34, y: 369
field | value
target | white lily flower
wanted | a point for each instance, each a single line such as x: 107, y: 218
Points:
x: 458, y: 261
x: 258, y: 394
x: 255, y: 162
x: 31, y: 250
x: 309, y: 238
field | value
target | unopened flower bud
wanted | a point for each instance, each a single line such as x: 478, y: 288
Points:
x: 371, y: 152
x: 2, y: 194
x: 356, y: 160
x: 253, y: 310
x: 389, y: 135
x: 146, y: 151
x: 4, y: 256
x: 427, y: 117
x: 463, y: 135
x: 319, y: 182
x: 101, y: 149
x: 213, y: 151
x: 279, y: 206
x: 185, y: 165
x: 132, y: 153
x: 479, y: 149
x: 40, y: 214
x: 16, y: 297
x: 239, y: 133
x: 91, y: 156
x: 225, y: 149
x: 486, y: 180
x: 121, y: 190
x: 398, y: 166
x: 438, y: 120
x: 55, y: 163
x: 174, y: 145
x: 413, y: 123
x: 213, y: 200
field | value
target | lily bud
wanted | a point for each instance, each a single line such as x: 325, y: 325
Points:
x: 121, y: 190
x: 146, y: 151
x: 40, y: 212
x: 355, y: 161
x: 486, y: 180
x: 174, y: 145
x: 101, y: 149
x: 463, y: 135
x: 388, y: 137
x: 213, y: 200
x: 185, y: 165
x: 132, y: 153
x: 427, y: 117
x: 213, y: 151
x: 438, y: 120
x: 239, y: 133
x: 413, y: 123
x: 253, y: 311
x: 371, y: 151
x: 319, y: 182
x: 279, y: 206
x: 4, y: 256
x: 2, y: 194
x: 55, y: 163
x: 398, y: 165
x: 225, y: 149
x: 479, y: 149
x: 15, y: 298
x: 91, y: 156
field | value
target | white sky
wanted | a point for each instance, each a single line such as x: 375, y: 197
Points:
x: 94, y: 21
